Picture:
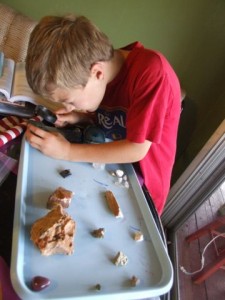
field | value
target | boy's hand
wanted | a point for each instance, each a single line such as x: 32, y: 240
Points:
x: 49, y: 143
x: 72, y: 117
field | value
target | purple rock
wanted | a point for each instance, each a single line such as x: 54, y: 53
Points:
x: 39, y: 283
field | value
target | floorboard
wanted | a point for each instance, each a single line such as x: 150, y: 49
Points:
x: 189, y: 254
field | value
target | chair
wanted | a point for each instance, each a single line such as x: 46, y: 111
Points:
x: 213, y: 229
x: 15, y: 31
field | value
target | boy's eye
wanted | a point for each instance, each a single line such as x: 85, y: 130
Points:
x: 67, y: 103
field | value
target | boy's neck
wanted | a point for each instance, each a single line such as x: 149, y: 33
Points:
x: 115, y: 64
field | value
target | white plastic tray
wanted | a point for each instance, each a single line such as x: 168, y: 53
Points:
x: 75, y: 276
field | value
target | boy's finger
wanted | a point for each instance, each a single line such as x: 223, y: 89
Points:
x: 37, y: 131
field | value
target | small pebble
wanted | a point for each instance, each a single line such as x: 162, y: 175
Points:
x: 120, y: 259
x: 117, y: 183
x: 119, y: 173
x: 98, y: 233
x: 65, y: 173
x: 39, y: 283
x: 120, y: 179
x: 98, y: 166
x: 98, y: 287
x: 126, y: 184
x: 125, y: 177
x: 138, y: 236
x: 134, y: 281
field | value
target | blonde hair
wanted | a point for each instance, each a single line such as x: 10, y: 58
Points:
x: 62, y: 50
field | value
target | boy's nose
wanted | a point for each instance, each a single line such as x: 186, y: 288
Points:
x: 69, y: 107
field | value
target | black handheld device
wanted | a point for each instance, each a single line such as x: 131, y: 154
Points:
x: 89, y: 134
x: 80, y: 133
x: 46, y: 114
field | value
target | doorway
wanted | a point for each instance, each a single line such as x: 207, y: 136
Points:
x: 190, y: 195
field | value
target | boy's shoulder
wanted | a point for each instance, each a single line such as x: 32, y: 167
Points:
x: 138, y: 50
x: 138, y: 47
x: 144, y: 58
x: 145, y: 62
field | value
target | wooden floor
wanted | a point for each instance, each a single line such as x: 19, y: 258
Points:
x: 189, y: 255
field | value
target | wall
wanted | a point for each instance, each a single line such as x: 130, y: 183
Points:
x: 190, y: 33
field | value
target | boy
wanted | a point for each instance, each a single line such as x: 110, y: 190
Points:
x: 132, y: 92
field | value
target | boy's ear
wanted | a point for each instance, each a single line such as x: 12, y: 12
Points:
x: 97, y: 70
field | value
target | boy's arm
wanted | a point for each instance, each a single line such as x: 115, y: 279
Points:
x: 56, y: 146
x: 122, y: 151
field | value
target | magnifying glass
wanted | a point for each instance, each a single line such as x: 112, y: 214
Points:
x: 46, y: 114
x: 89, y: 134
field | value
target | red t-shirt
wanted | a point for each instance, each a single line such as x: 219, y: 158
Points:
x: 144, y: 103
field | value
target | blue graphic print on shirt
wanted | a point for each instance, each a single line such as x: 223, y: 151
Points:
x: 112, y: 122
